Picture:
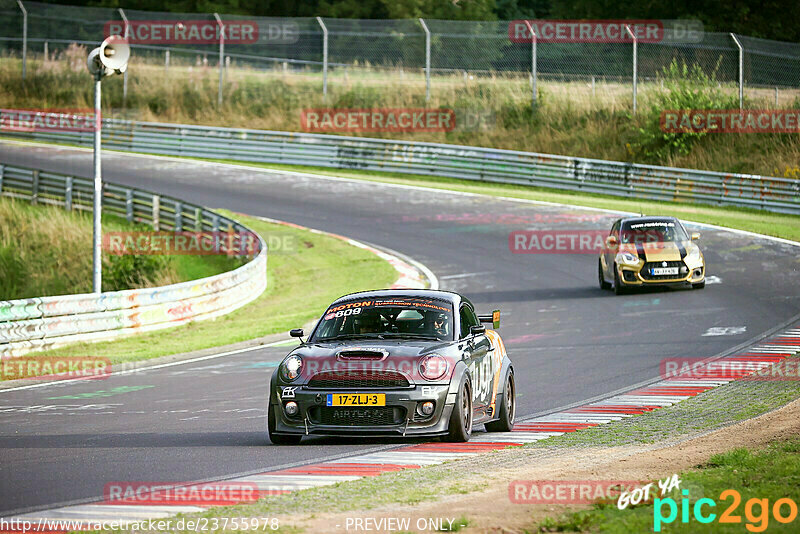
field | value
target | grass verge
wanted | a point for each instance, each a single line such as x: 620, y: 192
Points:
x: 764, y: 476
x: 45, y: 250
x: 304, y: 277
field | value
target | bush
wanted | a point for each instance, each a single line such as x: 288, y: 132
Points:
x: 684, y: 88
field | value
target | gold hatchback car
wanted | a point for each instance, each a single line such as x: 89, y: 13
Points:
x: 650, y: 251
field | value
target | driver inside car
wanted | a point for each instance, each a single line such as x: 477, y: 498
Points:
x: 441, y: 325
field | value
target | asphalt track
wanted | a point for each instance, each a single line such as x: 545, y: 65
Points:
x: 569, y: 340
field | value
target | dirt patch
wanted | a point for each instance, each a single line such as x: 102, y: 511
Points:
x: 491, y: 510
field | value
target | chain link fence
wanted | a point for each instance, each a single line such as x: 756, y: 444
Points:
x: 423, y: 54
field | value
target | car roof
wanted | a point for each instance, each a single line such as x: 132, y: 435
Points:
x: 449, y: 296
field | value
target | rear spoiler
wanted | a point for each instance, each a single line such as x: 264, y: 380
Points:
x: 494, y: 318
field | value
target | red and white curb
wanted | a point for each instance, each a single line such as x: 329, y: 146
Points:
x: 635, y: 402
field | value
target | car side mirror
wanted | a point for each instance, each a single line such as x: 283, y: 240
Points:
x: 695, y: 236
x: 296, y: 332
x: 612, y: 241
x: 477, y: 329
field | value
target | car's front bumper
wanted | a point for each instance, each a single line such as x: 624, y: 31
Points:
x: 315, y: 418
x: 631, y: 275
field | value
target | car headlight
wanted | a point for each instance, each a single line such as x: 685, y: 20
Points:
x: 626, y: 258
x: 291, y: 367
x: 433, y: 367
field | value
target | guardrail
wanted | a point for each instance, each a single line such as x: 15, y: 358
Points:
x: 620, y: 179
x: 47, y: 322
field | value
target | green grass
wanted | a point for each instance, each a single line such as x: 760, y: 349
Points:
x: 302, y: 280
x: 772, y: 473
x: 45, y: 250
x: 567, y: 120
x: 752, y: 220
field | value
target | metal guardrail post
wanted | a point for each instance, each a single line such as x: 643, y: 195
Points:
x: 741, y: 69
x: 178, y: 220
x: 427, y: 60
x: 221, y: 56
x: 129, y: 205
x: 324, y: 57
x: 2, y: 170
x: 156, y: 213
x: 24, y: 38
x: 35, y: 188
x: 68, y: 193
x: 635, y: 65
x: 124, y: 74
x: 533, y: 63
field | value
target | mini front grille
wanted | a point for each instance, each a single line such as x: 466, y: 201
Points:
x: 347, y: 416
x: 358, y: 379
x: 646, y: 270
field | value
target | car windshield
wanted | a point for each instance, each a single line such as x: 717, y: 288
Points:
x: 656, y: 231
x: 382, y: 318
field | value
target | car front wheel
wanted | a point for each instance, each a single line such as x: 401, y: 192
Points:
x: 460, y: 427
x: 600, y: 277
x: 619, y: 289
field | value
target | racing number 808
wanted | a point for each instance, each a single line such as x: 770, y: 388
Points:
x: 349, y: 311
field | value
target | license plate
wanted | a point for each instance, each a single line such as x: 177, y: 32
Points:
x: 356, y: 399
x: 660, y: 271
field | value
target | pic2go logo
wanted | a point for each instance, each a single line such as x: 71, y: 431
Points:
x: 701, y: 510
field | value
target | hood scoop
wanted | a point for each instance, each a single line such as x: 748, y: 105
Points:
x: 362, y: 354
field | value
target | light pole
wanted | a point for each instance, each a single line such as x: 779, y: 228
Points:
x: 111, y: 57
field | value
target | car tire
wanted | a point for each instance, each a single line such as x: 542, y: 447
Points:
x: 600, y: 277
x: 508, y: 407
x: 279, y: 439
x: 459, y: 428
x: 699, y: 285
x: 619, y: 289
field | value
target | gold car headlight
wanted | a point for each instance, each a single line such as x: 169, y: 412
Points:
x: 626, y: 258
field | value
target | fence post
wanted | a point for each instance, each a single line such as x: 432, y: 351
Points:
x: 35, y: 188
x: 24, y: 38
x: 68, y: 194
x: 46, y: 54
x: 166, y: 60
x: 635, y: 65
x: 124, y: 74
x: 427, y: 60
x: 533, y: 63
x: 221, y: 57
x: 776, y: 96
x: 741, y: 69
x: 324, y: 57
